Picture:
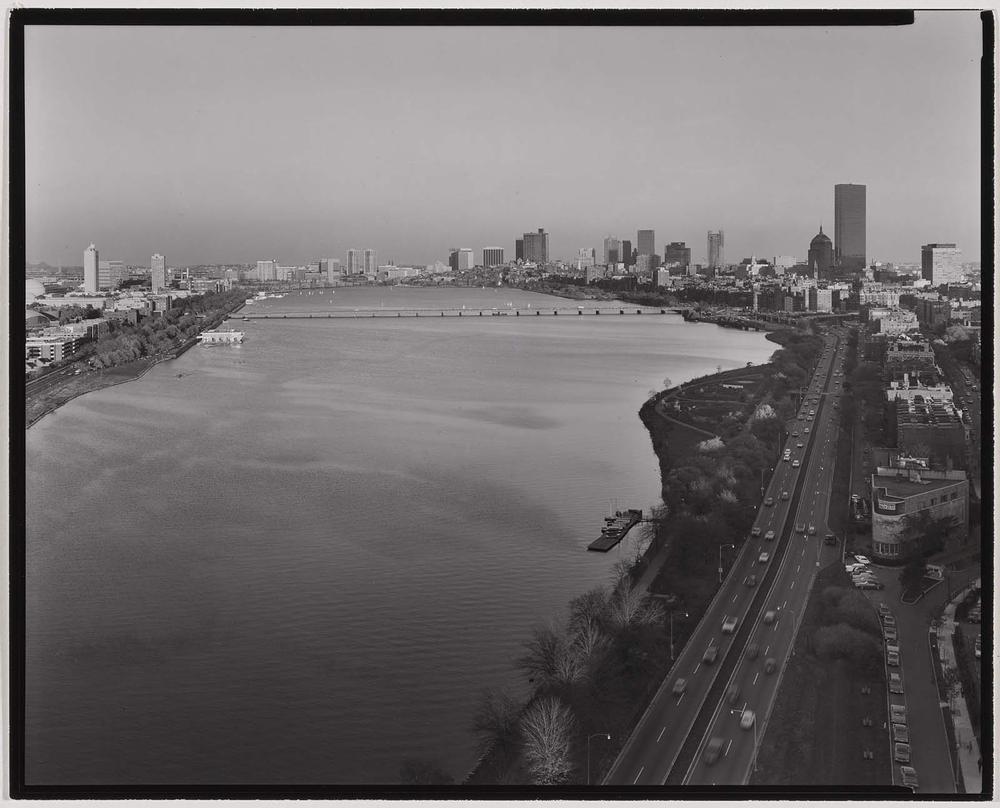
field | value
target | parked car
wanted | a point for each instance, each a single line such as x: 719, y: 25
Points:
x: 891, y: 647
x: 680, y: 686
x: 883, y: 608
x: 769, y: 536
x: 900, y: 733
x: 888, y: 620
x: 889, y: 632
x: 909, y: 777
x: 868, y: 585
x: 713, y: 750
x: 862, y: 559
x: 901, y: 752
x: 892, y: 659
x: 750, y: 580
x: 729, y: 625
x: 898, y: 713
x: 710, y: 655
x: 895, y: 683
x: 763, y: 558
x: 979, y: 646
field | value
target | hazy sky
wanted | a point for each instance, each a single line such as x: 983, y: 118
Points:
x: 232, y: 144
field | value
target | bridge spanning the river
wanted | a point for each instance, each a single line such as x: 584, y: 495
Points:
x: 353, y: 314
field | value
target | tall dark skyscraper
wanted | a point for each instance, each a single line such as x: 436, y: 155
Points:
x: 716, y: 248
x: 849, y: 230
x: 646, y: 242
x: 626, y: 253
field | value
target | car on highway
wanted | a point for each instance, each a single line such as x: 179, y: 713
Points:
x: 753, y: 651
x: 800, y: 527
x: 769, y: 536
x: 807, y: 430
x: 763, y: 558
x: 888, y: 620
x: 898, y: 713
x: 892, y: 659
x: 795, y: 464
x: 733, y: 694
x: 784, y: 495
x: 795, y: 434
x: 711, y: 654
x: 769, y: 616
x: 680, y: 686
x: 812, y: 530
x: 750, y: 580
x: 900, y: 733
x: 901, y: 752
x: 770, y: 666
x: 909, y: 777
x: 769, y: 501
x: 713, y: 750
x: 729, y: 625
x: 895, y: 683
x: 746, y: 719
x: 755, y: 531
x: 799, y: 445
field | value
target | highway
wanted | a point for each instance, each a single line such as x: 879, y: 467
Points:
x: 756, y: 688
x: 653, y: 749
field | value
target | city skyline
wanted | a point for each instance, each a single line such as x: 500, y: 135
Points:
x: 235, y: 184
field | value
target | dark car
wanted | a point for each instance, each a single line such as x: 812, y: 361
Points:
x: 713, y: 750
x: 753, y: 650
x: 733, y: 694
x: 750, y: 580
x: 901, y: 752
x: 710, y: 655
x: 770, y: 666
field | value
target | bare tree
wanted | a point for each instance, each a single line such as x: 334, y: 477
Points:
x: 543, y: 650
x: 547, y: 727
x: 630, y: 607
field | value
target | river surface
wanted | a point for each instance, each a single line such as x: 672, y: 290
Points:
x: 300, y: 559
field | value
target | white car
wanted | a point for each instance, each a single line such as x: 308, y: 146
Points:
x: 862, y: 559
x: 795, y: 464
x: 729, y: 625
x: 763, y: 558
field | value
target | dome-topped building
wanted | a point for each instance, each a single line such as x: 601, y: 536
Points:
x: 821, y: 256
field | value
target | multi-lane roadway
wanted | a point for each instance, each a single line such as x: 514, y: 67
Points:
x: 781, y: 561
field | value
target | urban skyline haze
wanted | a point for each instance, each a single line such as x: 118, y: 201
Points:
x: 206, y: 152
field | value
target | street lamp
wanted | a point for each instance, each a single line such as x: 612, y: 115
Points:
x: 754, y: 758
x: 606, y: 735
x: 721, y: 546
x: 672, y: 633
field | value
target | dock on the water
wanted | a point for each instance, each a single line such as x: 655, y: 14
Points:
x: 615, y: 529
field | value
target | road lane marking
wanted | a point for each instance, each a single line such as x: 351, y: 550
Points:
x: 638, y: 775
x: 661, y: 734
x: 734, y: 598
x: 726, y: 753
x: 766, y: 649
x: 793, y: 585
x: 783, y: 604
x: 680, y: 698
x: 797, y: 567
x: 696, y: 667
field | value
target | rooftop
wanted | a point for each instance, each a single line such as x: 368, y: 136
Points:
x: 902, y: 483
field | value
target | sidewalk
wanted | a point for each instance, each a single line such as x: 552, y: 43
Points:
x: 967, y: 747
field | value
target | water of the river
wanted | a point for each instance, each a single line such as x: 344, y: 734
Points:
x: 300, y: 559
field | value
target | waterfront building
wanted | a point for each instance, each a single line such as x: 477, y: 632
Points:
x: 90, y: 265
x: 646, y: 242
x: 892, y: 321
x: 492, y: 257
x: 333, y: 268
x: 783, y: 262
x: 536, y: 246
x: 592, y: 273
x: 849, y: 225
x: 355, y: 264
x: 371, y: 262
x: 612, y: 251
x: 820, y: 260
x: 466, y: 259
x: 902, y: 498
x: 677, y: 252
x: 941, y: 264
x: 157, y: 273
x: 662, y: 277
x: 823, y: 300
x: 267, y: 270
x: 519, y: 249
x: 585, y: 257
x: 51, y: 348
x: 716, y: 248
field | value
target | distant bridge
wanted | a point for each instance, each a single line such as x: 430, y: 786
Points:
x: 354, y: 314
